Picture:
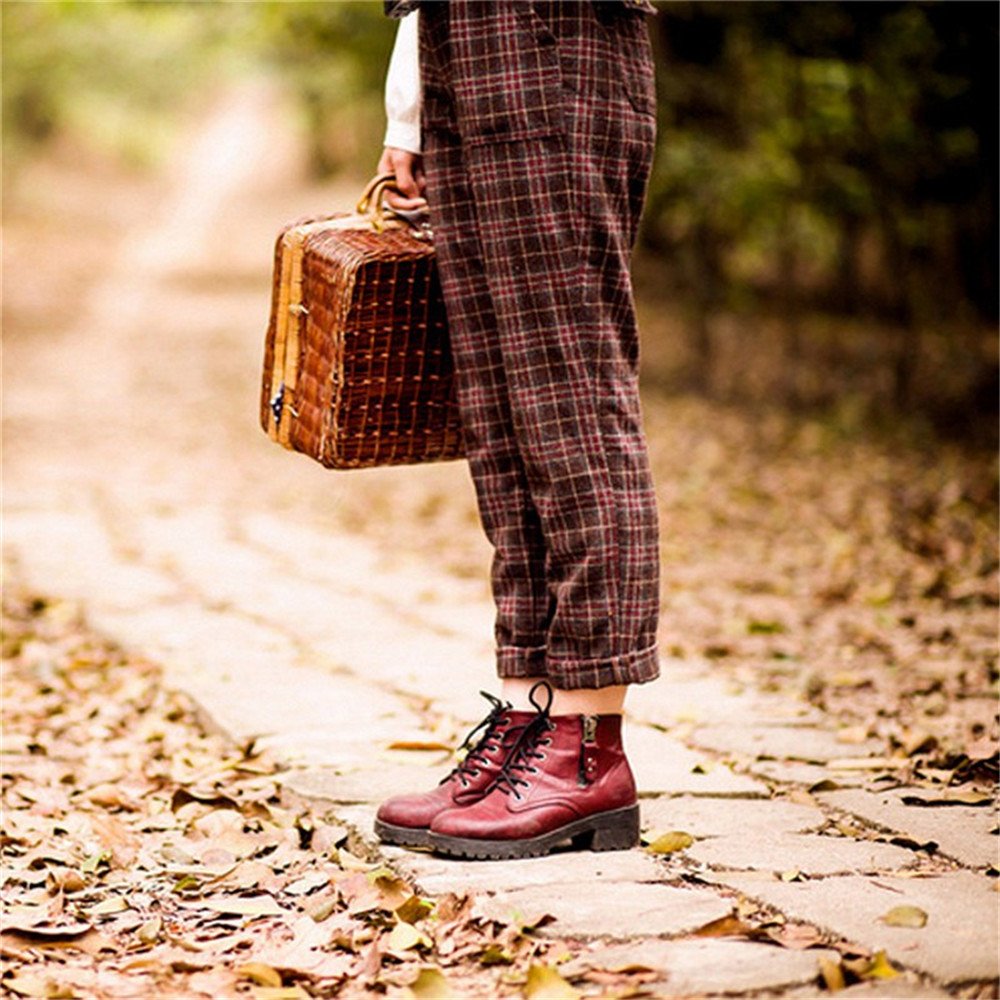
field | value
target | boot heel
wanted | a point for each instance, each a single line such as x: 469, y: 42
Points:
x: 615, y: 831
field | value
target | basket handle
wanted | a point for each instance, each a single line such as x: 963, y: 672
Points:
x: 370, y: 204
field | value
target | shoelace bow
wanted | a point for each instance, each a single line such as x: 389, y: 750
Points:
x: 524, y: 750
x: 475, y: 755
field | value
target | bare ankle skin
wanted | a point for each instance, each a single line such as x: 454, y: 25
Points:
x: 578, y: 701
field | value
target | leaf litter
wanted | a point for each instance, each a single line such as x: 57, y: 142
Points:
x: 146, y: 857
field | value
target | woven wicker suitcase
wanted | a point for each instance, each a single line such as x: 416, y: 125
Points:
x: 357, y: 367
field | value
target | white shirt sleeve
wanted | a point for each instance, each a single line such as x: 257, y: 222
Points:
x: 402, y: 88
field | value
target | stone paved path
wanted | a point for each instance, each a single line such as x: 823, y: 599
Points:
x: 138, y: 483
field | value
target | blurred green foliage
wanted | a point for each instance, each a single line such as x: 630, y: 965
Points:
x: 836, y: 158
x: 116, y: 75
x: 840, y: 156
x: 121, y: 75
x: 334, y: 56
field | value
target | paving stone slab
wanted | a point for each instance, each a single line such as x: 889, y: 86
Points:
x: 436, y: 875
x: 807, y: 744
x: 71, y: 555
x: 904, y: 987
x: 663, y: 764
x: 344, y: 611
x: 250, y: 681
x: 348, y: 564
x: 686, y: 693
x: 797, y: 772
x: 707, y: 965
x: 360, y: 816
x: 591, y: 910
x: 962, y: 832
x: 363, y: 784
x: 707, y: 817
x: 958, y: 944
x: 811, y: 855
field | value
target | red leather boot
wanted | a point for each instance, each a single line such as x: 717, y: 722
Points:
x: 404, y: 819
x: 566, y: 779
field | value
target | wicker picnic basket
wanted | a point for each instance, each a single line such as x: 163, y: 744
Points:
x: 357, y: 367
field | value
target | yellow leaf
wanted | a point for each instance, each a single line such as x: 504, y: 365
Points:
x: 495, y: 955
x: 792, y: 875
x: 115, y: 904
x: 832, y: 974
x: 881, y: 968
x: 414, y: 909
x: 405, y: 936
x: 149, y: 932
x: 431, y: 984
x: 259, y: 973
x: 904, y: 916
x: 544, y: 983
x: 666, y: 843
x: 279, y: 993
x: 351, y: 862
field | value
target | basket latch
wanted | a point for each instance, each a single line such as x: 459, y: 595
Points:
x: 278, y: 402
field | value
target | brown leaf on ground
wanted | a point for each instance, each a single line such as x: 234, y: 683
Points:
x: 728, y: 926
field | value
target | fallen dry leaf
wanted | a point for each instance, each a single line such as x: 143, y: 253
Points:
x: 833, y: 975
x: 243, y: 906
x: 405, y: 936
x: 667, y: 843
x: 728, y: 926
x: 904, y: 916
x: 259, y: 973
x: 431, y: 984
x: 868, y: 764
x: 544, y: 983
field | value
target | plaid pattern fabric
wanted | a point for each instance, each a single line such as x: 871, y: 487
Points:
x: 538, y: 129
x: 400, y: 8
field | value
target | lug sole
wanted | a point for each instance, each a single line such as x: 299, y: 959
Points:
x: 615, y: 830
x: 402, y: 836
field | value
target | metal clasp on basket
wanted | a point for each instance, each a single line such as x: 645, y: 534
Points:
x: 277, y: 403
x: 418, y: 220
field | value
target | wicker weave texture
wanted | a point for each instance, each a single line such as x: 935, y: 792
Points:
x: 357, y: 367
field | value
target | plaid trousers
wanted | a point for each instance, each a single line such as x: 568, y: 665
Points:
x: 538, y: 129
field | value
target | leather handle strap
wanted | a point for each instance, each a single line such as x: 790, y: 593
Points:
x: 371, y: 204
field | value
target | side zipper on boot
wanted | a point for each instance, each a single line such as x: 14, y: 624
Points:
x: 588, y: 764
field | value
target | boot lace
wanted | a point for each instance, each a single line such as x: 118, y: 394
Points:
x: 525, y: 748
x: 476, y: 749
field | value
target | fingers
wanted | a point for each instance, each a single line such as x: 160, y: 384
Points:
x: 409, y: 171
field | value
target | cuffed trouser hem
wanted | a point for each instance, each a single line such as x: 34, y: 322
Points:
x: 567, y: 674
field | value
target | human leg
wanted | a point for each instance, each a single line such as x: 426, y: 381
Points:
x: 536, y: 198
x: 556, y: 178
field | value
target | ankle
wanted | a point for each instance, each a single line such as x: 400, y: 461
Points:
x: 565, y: 701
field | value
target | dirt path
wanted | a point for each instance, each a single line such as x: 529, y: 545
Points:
x: 325, y: 616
